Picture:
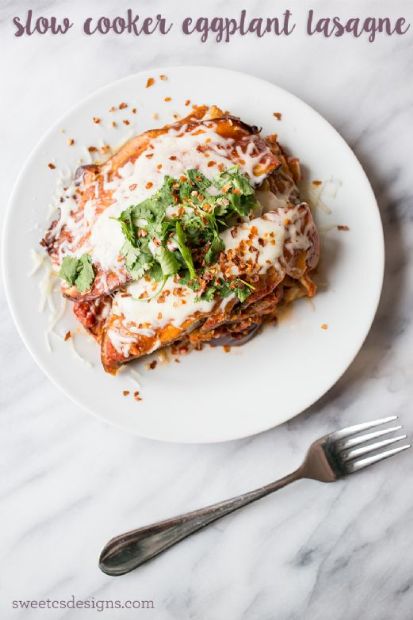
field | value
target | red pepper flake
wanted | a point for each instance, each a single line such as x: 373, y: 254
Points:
x: 96, y: 120
x: 150, y: 82
x: 342, y: 227
x: 126, y: 392
x: 167, y: 98
x: 133, y: 187
x: 163, y: 77
x: 134, y: 110
x: 149, y: 155
x: 136, y: 395
x: 126, y: 122
x: 149, y: 185
x: 187, y: 102
x: 159, y: 167
x: 324, y: 326
x: 212, y: 163
x: 68, y: 335
x: 51, y: 166
x: 153, y: 364
x: 172, y: 157
x: 123, y: 105
x: 316, y: 183
x: 227, y: 348
x: 92, y: 149
x: 277, y: 115
x: 70, y: 141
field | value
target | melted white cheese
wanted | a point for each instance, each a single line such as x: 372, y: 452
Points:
x: 143, y: 312
x: 270, y: 202
x: 263, y: 247
x: 170, y: 154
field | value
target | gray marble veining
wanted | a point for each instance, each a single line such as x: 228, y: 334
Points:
x: 68, y: 482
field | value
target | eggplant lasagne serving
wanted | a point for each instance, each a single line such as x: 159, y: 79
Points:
x: 193, y: 233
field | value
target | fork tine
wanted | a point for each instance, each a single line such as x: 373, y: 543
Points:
x: 344, y: 444
x: 357, y: 428
x: 356, y: 465
x: 355, y: 452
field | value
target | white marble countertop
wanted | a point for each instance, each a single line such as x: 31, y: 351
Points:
x: 68, y: 482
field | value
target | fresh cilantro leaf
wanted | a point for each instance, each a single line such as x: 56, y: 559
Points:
x: 167, y: 261
x: 68, y: 269
x: 130, y: 253
x: 78, y: 272
x: 137, y: 261
x: 217, y: 245
x: 198, y: 179
x: 242, y: 293
x: 184, y: 250
x: 187, y: 242
x: 86, y: 275
x: 156, y: 272
x: 127, y: 225
x: 209, y: 294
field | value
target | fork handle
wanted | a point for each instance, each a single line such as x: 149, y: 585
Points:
x: 127, y: 551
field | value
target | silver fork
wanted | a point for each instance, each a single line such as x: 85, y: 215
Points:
x: 329, y: 458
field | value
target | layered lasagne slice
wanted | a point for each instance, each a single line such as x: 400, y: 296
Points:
x: 263, y: 260
x: 191, y: 233
x: 86, y: 229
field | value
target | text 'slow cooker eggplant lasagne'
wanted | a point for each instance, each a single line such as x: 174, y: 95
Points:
x: 193, y: 233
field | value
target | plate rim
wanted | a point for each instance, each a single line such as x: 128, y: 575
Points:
x: 8, y: 216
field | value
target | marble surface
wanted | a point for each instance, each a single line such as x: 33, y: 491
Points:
x: 68, y: 482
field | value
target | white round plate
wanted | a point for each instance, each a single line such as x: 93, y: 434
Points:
x: 211, y: 395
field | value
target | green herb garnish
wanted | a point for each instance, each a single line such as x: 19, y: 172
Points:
x: 177, y: 230
x: 78, y: 272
